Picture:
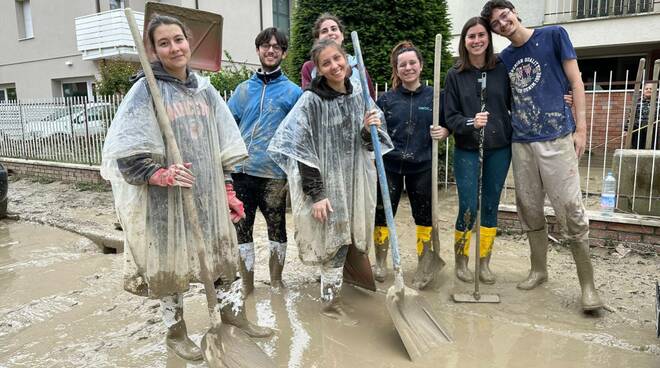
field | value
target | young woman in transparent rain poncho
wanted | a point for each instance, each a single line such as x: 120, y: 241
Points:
x: 160, y: 258
x: 325, y: 148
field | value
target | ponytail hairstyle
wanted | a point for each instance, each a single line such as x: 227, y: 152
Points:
x: 158, y: 20
x: 400, y: 48
x: 321, y: 45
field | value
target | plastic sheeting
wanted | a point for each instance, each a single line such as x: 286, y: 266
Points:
x: 159, y: 248
x: 325, y: 134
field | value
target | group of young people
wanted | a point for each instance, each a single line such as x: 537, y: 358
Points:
x: 272, y: 139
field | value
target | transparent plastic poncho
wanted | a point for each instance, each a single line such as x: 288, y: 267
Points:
x: 325, y: 134
x: 160, y: 256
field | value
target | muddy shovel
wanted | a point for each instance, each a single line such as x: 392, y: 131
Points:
x: 476, y: 296
x: 412, y: 315
x: 223, y: 345
x: 431, y: 263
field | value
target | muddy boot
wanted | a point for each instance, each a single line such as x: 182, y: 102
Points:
x: 381, y: 244
x: 538, y: 247
x: 232, y: 309
x: 333, y: 306
x: 461, y: 252
x: 590, y: 299
x: 246, y: 252
x: 177, y: 335
x: 487, y: 235
x: 425, y: 264
x: 276, y: 263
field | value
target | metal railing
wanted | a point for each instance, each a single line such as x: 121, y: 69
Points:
x: 68, y: 130
x: 565, y: 10
x: 73, y: 131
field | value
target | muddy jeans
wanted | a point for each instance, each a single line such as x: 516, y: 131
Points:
x: 269, y: 196
x: 551, y: 168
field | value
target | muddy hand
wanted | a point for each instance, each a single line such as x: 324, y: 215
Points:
x: 174, y: 175
x: 236, y: 210
x: 321, y: 210
x: 439, y: 133
x: 580, y: 142
x: 372, y: 118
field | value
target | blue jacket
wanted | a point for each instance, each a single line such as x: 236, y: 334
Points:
x: 408, y: 115
x: 259, y: 109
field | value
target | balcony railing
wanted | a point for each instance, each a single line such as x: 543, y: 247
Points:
x: 106, y: 34
x: 557, y: 11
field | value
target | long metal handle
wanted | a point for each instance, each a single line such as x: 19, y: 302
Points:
x: 435, y: 216
x: 175, y: 155
x: 477, y: 223
x: 380, y: 166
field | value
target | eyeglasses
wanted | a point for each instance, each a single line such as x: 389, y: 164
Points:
x: 504, y: 15
x: 268, y: 46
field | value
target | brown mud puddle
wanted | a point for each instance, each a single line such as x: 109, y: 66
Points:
x: 61, y: 305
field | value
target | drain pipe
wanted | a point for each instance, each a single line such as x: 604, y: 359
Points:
x: 261, y: 15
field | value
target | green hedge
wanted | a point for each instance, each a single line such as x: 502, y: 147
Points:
x: 381, y: 24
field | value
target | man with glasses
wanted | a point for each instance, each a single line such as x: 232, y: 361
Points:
x: 259, y: 105
x: 547, y: 140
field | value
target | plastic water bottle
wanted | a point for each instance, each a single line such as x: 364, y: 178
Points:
x: 608, y: 194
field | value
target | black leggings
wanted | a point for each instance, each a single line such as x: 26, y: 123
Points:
x: 418, y: 187
x: 269, y: 195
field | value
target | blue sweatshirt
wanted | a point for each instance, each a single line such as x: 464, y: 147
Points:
x: 259, y: 108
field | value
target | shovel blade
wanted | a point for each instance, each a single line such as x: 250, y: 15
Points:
x: 430, y: 266
x: 471, y: 298
x: 227, y: 346
x: 413, y: 319
x: 357, y: 269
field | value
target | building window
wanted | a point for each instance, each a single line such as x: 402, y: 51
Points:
x: 117, y: 4
x: 76, y: 89
x: 7, y: 94
x: 24, y: 19
x: 281, y: 16
x: 603, y: 8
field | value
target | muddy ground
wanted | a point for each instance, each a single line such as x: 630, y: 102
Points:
x: 61, y: 303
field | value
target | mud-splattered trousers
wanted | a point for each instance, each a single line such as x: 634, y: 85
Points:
x: 466, y: 170
x: 267, y: 195
x: 549, y: 167
x: 418, y: 186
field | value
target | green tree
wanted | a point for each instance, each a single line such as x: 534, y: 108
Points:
x: 230, y: 76
x: 115, y: 76
x: 381, y: 24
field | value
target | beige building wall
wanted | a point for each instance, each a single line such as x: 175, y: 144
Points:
x: 37, y: 66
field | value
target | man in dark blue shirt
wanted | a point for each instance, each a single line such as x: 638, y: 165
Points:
x: 547, y: 140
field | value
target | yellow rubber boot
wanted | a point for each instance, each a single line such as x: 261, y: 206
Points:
x: 486, y: 241
x: 461, y: 255
x: 425, y: 270
x: 381, y: 244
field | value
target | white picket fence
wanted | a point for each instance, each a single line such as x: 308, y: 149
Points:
x: 68, y: 130
x: 73, y: 130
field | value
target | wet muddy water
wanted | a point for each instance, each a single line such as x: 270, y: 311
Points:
x: 61, y: 305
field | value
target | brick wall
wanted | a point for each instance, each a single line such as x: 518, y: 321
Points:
x: 600, y: 123
x: 639, y: 233
x: 52, y: 170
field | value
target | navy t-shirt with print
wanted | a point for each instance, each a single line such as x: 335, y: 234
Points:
x: 538, y: 85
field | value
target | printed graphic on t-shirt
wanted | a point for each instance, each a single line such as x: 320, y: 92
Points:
x: 525, y: 74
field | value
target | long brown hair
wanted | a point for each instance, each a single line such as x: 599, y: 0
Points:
x: 400, y: 48
x: 316, y: 29
x: 463, y: 55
